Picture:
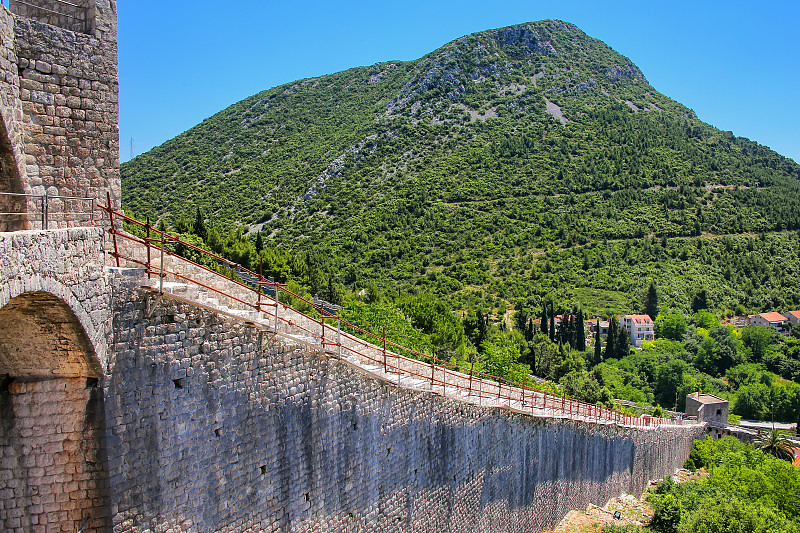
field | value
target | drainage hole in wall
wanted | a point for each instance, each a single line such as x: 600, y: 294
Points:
x: 178, y: 383
x: 218, y: 432
x: 263, y: 469
x: 308, y: 496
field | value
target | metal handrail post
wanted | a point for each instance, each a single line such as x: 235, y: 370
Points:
x: 260, y: 279
x: 277, y: 305
x: 322, y: 321
x: 44, y: 212
x: 147, y: 245
x: 339, y: 335
x: 161, y: 273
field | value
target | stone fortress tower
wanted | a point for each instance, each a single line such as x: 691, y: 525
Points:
x: 59, y: 109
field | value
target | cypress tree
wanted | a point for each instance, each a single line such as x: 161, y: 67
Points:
x: 651, y: 301
x: 482, y: 327
x: 623, y: 343
x: 259, y: 242
x: 552, y: 323
x: 543, y: 324
x: 598, y: 345
x: 570, y: 332
x: 580, y: 332
x: 199, y: 226
x: 611, y: 341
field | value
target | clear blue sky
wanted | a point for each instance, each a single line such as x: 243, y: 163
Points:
x: 737, y: 64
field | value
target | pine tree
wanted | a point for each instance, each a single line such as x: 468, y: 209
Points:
x: 651, y: 301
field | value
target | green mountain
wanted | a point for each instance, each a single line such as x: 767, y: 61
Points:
x: 505, y: 166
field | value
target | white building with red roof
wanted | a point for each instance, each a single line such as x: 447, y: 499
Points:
x: 773, y: 320
x: 640, y: 328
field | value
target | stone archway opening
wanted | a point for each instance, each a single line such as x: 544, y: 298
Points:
x: 52, y: 469
x: 10, y: 182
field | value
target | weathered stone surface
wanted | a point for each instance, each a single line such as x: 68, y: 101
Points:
x: 58, y: 69
x: 264, y: 436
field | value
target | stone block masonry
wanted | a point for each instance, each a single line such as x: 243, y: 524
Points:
x: 69, y: 92
x: 217, y: 426
x: 59, y: 108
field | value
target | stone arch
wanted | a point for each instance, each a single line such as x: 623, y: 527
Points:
x: 52, y: 419
x: 41, y: 338
x: 62, y: 295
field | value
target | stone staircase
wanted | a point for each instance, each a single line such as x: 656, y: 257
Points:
x: 194, y: 285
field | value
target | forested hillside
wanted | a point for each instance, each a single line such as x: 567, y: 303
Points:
x: 509, y: 166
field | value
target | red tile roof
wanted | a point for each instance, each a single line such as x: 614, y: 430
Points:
x: 639, y: 318
x: 795, y: 314
x: 772, y: 317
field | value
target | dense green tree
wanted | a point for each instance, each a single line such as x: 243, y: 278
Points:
x: 674, y: 381
x: 651, y: 301
x: 700, y: 300
x: 670, y: 326
x: 759, y: 339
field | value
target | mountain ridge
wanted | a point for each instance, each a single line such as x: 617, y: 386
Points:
x: 499, y: 144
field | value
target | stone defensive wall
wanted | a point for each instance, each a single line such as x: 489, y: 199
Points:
x: 132, y: 406
x: 139, y: 412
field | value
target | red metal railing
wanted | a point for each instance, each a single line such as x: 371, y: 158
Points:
x: 342, y: 338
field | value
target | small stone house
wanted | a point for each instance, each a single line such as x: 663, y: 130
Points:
x: 793, y: 317
x: 707, y: 408
x: 773, y: 320
x: 640, y: 328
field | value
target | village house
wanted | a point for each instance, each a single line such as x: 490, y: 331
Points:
x: 640, y: 328
x: 604, y: 325
x: 773, y: 320
x: 793, y: 317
